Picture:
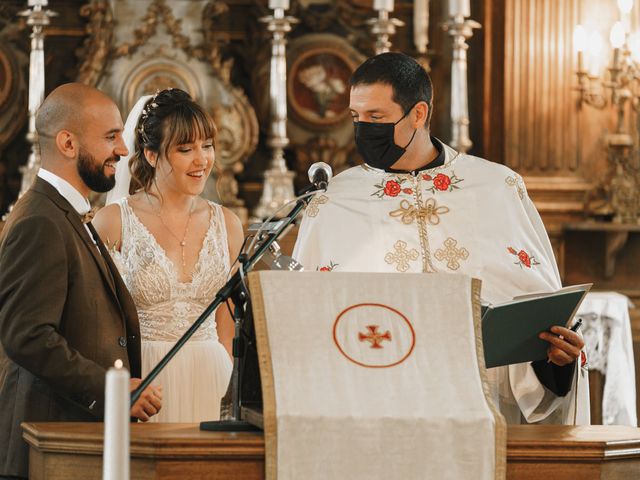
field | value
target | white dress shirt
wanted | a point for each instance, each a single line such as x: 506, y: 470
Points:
x: 70, y: 194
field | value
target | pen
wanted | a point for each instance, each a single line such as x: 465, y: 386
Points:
x: 576, y: 326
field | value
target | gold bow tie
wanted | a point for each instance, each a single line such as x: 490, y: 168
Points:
x: 87, y: 217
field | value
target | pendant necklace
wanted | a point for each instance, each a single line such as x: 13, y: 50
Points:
x: 182, y: 242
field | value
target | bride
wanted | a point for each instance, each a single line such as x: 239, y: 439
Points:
x: 173, y: 249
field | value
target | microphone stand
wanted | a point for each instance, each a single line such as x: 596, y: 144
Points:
x: 234, y: 289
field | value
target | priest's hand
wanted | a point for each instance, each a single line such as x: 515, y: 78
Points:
x: 565, y: 345
x: 149, y: 403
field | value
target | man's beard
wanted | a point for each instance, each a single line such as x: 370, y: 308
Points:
x: 92, y: 174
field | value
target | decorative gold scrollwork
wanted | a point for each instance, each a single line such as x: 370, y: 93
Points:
x: 430, y: 212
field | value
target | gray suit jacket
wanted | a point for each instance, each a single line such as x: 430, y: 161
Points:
x: 65, y: 317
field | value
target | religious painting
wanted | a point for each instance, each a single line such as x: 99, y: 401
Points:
x: 318, y: 86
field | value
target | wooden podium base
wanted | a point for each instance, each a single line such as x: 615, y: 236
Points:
x: 173, y: 450
x: 158, y: 451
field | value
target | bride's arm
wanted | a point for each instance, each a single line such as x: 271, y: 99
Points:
x: 108, y: 224
x: 235, y: 237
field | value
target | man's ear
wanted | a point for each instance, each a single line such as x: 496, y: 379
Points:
x: 421, y: 113
x: 151, y: 157
x: 67, y: 144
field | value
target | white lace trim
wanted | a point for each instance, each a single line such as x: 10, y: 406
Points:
x: 166, y: 306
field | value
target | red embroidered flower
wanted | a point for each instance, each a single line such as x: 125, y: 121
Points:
x: 524, y: 258
x: 327, y: 268
x: 583, y: 358
x: 441, y: 182
x: 392, y: 188
x: 408, y: 191
x: 427, y: 177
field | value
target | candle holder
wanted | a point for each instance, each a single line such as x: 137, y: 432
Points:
x: 460, y: 29
x: 383, y: 27
x: 278, y: 180
x: 588, y: 94
x: 38, y: 18
x: 621, y: 185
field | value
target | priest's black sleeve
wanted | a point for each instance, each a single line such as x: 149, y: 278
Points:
x: 556, y: 378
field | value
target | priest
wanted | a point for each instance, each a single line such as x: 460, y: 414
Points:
x: 417, y: 205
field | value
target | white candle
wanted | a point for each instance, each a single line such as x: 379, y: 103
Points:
x: 459, y: 7
x: 383, y: 5
x: 115, y: 461
x: 634, y: 46
x: 594, y: 49
x: 283, y: 4
x: 625, y: 6
x: 421, y: 25
x: 579, y: 38
x: 617, y: 35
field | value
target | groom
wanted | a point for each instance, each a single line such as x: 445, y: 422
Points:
x: 65, y: 314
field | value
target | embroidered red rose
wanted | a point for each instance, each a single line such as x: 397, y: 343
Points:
x: 441, y: 182
x: 524, y: 258
x: 583, y: 358
x: 427, y: 177
x: 408, y: 191
x: 327, y: 268
x: 392, y: 188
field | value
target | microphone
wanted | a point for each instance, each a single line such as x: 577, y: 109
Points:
x: 319, y: 175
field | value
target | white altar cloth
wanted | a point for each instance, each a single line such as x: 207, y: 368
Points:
x: 609, y: 347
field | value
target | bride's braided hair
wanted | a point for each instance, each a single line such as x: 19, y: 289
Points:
x: 170, y: 117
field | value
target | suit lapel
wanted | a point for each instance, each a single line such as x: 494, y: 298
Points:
x: 73, y: 217
x: 79, y: 227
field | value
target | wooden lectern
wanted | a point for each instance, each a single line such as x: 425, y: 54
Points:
x: 166, y: 451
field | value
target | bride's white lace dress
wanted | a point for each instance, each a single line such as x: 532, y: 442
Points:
x: 197, y: 377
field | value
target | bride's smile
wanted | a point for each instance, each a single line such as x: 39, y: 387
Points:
x: 186, y: 167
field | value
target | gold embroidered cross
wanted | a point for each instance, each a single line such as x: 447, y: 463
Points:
x: 516, y: 181
x: 314, y: 205
x: 430, y: 212
x: 401, y: 256
x: 451, y: 253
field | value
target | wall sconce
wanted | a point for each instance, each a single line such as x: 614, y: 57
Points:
x: 622, y: 79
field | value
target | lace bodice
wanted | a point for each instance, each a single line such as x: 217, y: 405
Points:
x: 166, y: 306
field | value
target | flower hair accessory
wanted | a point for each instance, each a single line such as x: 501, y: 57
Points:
x: 150, y: 107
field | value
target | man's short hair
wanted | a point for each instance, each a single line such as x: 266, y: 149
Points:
x: 410, y: 82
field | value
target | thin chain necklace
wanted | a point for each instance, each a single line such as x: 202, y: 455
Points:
x: 182, y: 242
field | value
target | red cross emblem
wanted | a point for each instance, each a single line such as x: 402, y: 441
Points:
x: 374, y: 337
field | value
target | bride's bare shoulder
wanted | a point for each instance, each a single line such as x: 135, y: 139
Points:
x: 235, y: 232
x: 108, y: 223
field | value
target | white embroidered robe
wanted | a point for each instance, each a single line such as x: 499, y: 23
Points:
x: 467, y: 216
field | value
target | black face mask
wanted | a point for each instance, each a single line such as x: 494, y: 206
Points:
x: 375, y: 143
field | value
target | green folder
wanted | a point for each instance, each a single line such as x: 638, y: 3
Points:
x: 510, y: 330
